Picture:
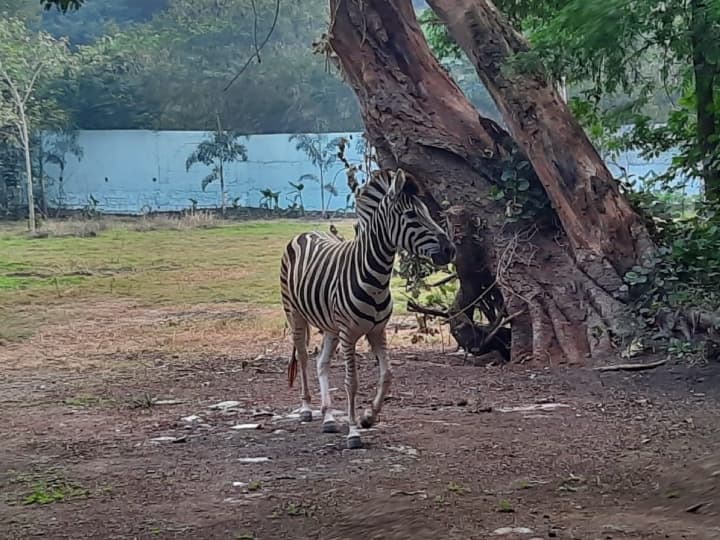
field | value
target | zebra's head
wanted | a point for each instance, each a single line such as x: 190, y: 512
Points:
x: 415, y: 230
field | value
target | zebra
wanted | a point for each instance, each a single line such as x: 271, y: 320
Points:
x: 343, y: 289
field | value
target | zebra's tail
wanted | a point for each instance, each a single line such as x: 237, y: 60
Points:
x: 292, y: 368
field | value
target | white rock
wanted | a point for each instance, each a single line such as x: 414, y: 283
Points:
x: 510, y: 530
x: 239, y: 484
x: 191, y: 418
x: 536, y: 407
x: 253, y: 459
x: 224, y: 405
x: 408, y: 450
x: 163, y: 439
x: 247, y: 426
x: 168, y: 402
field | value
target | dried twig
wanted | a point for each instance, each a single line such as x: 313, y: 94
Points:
x: 443, y: 281
x: 499, y: 323
x: 417, y: 308
x: 257, y: 47
x: 631, y: 367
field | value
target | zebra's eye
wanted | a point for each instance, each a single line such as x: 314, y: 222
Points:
x: 410, y: 214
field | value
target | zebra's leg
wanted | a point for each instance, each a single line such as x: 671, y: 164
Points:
x: 301, y: 334
x: 323, y: 370
x: 378, y: 344
x: 351, y: 387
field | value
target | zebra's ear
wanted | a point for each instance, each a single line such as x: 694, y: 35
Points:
x: 403, y: 182
x: 397, y: 184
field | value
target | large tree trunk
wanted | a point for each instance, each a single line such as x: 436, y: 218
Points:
x: 560, y: 274
x: 598, y: 221
x: 705, y: 71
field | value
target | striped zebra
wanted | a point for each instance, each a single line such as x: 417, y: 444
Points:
x: 343, y: 288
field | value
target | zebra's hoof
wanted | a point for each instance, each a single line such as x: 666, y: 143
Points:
x: 330, y: 427
x: 354, y: 443
x: 306, y: 416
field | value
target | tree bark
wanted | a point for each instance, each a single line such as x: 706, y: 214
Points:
x: 705, y: 72
x: 560, y: 276
x: 600, y: 224
x: 25, y: 138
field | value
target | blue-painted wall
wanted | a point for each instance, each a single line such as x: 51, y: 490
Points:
x: 135, y: 171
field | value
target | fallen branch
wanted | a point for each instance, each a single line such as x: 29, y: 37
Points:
x: 443, y: 281
x: 414, y: 307
x: 497, y: 325
x: 631, y: 367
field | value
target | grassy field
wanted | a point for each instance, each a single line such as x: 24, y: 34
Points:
x: 151, y: 263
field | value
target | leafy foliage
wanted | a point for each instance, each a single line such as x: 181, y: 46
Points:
x: 322, y: 153
x: 29, y: 62
x: 223, y: 147
x: 517, y: 187
x: 295, y: 196
x: 166, y: 64
x: 269, y: 199
x: 642, y: 64
x: 216, y: 152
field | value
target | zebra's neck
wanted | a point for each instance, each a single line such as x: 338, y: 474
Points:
x: 374, y: 249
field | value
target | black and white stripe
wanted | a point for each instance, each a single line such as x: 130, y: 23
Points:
x: 343, y: 287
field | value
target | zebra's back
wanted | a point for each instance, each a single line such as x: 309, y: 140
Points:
x: 308, y: 277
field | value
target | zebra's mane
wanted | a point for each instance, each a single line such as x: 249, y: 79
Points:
x: 369, y: 194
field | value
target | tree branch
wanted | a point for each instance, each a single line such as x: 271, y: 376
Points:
x: 631, y: 367
x: 258, y: 48
x: 443, y: 281
x: 31, y: 85
x: 417, y: 308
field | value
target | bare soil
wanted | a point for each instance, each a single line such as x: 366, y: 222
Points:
x: 602, y: 456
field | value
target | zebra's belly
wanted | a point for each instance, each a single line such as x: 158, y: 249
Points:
x: 337, y: 320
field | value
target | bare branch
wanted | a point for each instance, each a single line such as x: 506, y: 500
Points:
x: 417, y: 308
x: 31, y: 85
x: 631, y: 367
x: 443, y: 281
x: 258, y: 48
x: 497, y: 325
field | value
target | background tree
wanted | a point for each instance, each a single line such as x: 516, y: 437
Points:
x: 27, y: 61
x: 550, y: 273
x: 216, y: 152
x: 322, y: 154
x: 651, y: 66
x: 55, y: 151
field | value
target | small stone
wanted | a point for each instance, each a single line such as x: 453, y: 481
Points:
x: 253, y: 459
x: 168, y: 402
x: 512, y: 530
x: 413, y: 452
x: 162, y: 439
x: 462, y: 403
x: 536, y: 407
x: 240, y: 484
x: 225, y: 405
x: 247, y: 426
x: 169, y: 439
x: 191, y: 418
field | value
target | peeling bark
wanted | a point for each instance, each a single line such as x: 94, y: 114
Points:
x: 599, y: 222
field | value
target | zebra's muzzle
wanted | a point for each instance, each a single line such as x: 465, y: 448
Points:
x: 445, y: 254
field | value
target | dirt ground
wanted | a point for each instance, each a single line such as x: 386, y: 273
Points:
x: 120, y: 440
